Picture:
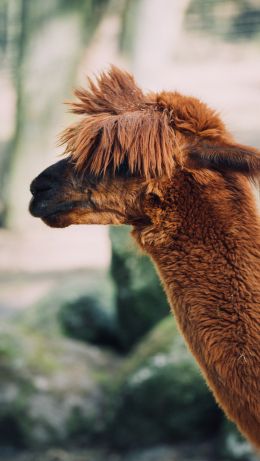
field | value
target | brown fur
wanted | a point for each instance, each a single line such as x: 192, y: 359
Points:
x: 166, y: 164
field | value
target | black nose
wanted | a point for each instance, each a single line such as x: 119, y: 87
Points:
x: 40, y: 184
x: 48, y: 178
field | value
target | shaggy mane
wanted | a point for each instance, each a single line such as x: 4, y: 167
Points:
x: 120, y: 125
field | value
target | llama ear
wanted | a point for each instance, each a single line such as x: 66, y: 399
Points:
x: 230, y: 157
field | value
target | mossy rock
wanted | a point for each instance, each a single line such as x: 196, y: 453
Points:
x: 232, y: 445
x: 81, y: 308
x: 140, y: 300
x: 159, y: 395
x: 86, y: 319
x: 50, y: 388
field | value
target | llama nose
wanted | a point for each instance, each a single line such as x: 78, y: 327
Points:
x: 40, y: 184
x: 49, y: 177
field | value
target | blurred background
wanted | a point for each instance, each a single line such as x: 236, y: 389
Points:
x: 92, y: 367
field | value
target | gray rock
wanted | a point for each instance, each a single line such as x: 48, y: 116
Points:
x: 50, y: 389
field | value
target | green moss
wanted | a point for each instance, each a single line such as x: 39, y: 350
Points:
x: 42, y: 359
x: 159, y: 341
x: 87, y: 320
x: 50, y: 388
x: 232, y: 445
x: 160, y: 395
x: 140, y: 300
x: 66, y: 309
x: 9, y: 347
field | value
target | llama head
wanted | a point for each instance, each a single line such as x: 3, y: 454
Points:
x: 125, y: 151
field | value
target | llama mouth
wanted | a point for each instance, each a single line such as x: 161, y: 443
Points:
x: 43, y: 209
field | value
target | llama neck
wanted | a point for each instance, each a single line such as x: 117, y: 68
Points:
x: 210, y: 270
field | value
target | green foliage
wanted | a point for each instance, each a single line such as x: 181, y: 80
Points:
x: 232, y: 445
x: 50, y: 388
x: 9, y: 348
x: 140, y: 300
x: 14, y: 388
x: 239, y: 22
x: 54, y: 390
x: 86, y: 319
x: 60, y: 310
x: 160, y: 396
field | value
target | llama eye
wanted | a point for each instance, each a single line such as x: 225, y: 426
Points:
x: 154, y: 199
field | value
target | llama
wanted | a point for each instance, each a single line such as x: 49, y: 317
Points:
x: 166, y: 164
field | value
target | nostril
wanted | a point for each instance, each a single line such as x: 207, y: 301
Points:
x: 39, y: 185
